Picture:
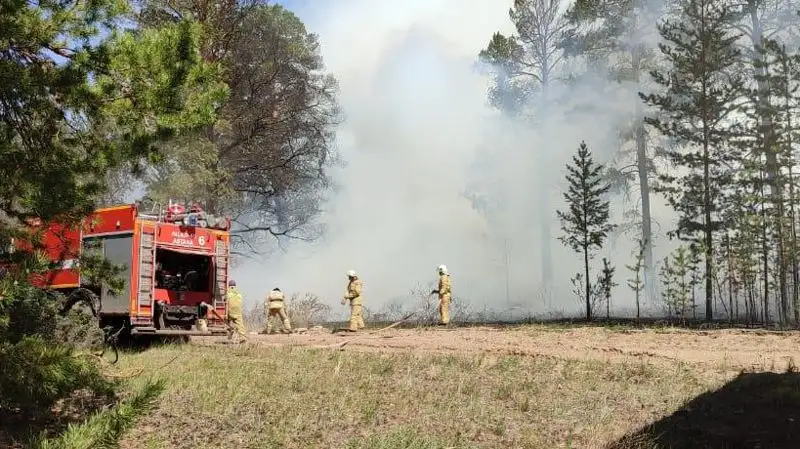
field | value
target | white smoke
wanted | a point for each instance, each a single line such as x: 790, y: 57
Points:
x: 418, y: 134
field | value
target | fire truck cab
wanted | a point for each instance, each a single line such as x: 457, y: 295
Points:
x: 175, y: 264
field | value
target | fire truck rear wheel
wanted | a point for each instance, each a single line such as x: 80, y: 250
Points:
x: 83, y: 300
x: 84, y: 305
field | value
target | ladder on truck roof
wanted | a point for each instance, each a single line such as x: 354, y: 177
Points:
x: 147, y: 256
x: 221, y: 258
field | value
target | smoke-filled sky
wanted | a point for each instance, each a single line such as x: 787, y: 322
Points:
x: 419, y: 133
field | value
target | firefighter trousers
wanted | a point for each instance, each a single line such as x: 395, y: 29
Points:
x: 237, y: 322
x: 444, y: 310
x: 356, y: 318
x: 279, y: 312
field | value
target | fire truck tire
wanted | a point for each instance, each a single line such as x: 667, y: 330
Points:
x: 83, y: 298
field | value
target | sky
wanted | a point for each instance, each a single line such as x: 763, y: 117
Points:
x: 416, y: 136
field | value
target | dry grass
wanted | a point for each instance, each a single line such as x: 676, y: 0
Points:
x: 289, y: 397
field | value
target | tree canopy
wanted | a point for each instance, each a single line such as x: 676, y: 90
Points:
x: 265, y: 160
x: 79, y: 96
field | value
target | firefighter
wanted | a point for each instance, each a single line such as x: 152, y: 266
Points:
x: 354, y: 286
x: 275, y: 307
x: 235, y: 312
x: 444, y: 295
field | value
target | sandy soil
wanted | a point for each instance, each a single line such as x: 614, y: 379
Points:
x: 718, y: 350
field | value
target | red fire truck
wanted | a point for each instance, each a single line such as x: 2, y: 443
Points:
x: 175, y: 263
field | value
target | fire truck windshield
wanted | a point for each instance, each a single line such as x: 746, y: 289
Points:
x: 182, y: 272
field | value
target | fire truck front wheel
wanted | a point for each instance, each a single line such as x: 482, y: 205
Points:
x: 84, y: 299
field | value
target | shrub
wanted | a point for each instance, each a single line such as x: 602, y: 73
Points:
x: 304, y: 310
x: 37, y: 373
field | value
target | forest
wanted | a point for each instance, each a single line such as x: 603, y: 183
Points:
x: 229, y: 103
x: 713, y: 88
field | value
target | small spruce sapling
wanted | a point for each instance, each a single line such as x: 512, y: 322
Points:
x: 606, y: 282
x: 585, y: 223
x: 681, y: 268
x: 694, y: 275
x: 637, y: 283
x: 577, y: 286
x: 667, y: 285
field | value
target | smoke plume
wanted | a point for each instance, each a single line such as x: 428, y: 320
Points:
x: 419, y: 138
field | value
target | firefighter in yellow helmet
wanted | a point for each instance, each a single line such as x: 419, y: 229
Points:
x: 275, y: 308
x: 236, y: 312
x: 353, y: 295
x: 444, y: 295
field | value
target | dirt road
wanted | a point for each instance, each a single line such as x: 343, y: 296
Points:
x: 723, y: 350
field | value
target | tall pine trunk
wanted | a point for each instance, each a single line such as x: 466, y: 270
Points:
x: 764, y: 249
x: 709, y: 266
x: 795, y: 270
x: 792, y: 199
x: 709, y: 250
x: 588, y: 283
x: 545, y: 239
x: 730, y: 281
x: 545, y: 234
x: 644, y: 184
x: 770, y: 149
x: 747, y: 311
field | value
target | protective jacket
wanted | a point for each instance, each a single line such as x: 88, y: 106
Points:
x: 444, y: 286
x: 354, y: 292
x: 235, y: 306
x: 275, y: 299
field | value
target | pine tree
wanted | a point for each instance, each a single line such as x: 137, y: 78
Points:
x: 766, y: 126
x: 667, y: 274
x: 528, y: 64
x: 637, y: 283
x: 694, y: 276
x: 744, y: 243
x: 703, y: 87
x: 586, y: 222
x: 73, y: 105
x: 618, y: 33
x: 786, y: 82
x: 776, y: 105
x: 681, y: 267
x: 606, y: 283
x: 765, y: 177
